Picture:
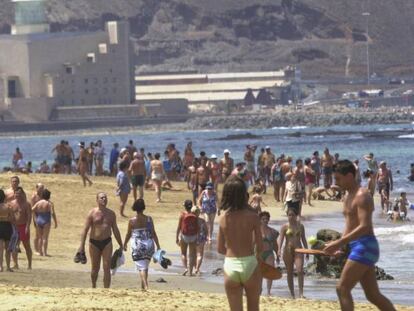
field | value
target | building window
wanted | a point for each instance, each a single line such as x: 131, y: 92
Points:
x: 86, y: 91
x: 90, y: 58
x: 110, y: 70
x: 86, y: 81
x: 73, y: 81
x: 69, y: 69
x: 73, y: 101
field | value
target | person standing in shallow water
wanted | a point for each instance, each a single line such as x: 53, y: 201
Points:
x: 83, y: 166
x: 239, y: 238
x: 102, y: 222
x: 359, y: 233
x: 123, y: 186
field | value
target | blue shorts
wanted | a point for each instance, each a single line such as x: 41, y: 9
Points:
x: 364, y: 250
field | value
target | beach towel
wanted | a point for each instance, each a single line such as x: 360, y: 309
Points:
x: 159, y: 257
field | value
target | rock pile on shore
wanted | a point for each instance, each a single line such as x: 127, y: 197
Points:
x: 298, y: 119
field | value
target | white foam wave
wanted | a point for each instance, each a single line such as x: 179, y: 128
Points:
x: 406, y: 136
x: 408, y: 239
x: 289, y: 128
x: 392, y: 231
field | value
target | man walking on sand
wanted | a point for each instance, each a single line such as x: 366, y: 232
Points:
x: 102, y: 222
x: 138, y: 174
x: 359, y: 233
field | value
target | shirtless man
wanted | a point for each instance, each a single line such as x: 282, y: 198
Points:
x: 60, y: 150
x: 214, y: 168
x: 14, y: 184
x: 6, y: 230
x: 249, y: 157
x: 83, y: 166
x: 102, y: 223
x: 226, y: 165
x: 69, y: 156
x: 268, y: 159
x: 192, y: 183
x: 203, y: 175
x: 359, y: 233
x: 23, y: 217
x: 385, y: 185
x: 157, y: 174
x: 16, y: 157
x: 36, y: 197
x: 327, y: 163
x: 138, y: 174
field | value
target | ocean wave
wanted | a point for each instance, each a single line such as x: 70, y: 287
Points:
x: 406, y: 136
x: 289, y: 128
x: 403, y: 235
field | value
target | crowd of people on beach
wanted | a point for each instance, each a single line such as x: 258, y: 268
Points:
x: 244, y: 236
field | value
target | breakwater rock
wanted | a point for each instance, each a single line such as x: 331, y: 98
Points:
x: 297, y: 119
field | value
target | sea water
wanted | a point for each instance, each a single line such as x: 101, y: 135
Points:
x: 396, y: 240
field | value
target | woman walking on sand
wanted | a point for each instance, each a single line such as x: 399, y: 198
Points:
x: 201, y: 238
x: 238, y: 238
x: 83, y: 167
x: 292, y: 234
x: 208, y: 202
x: 186, y: 237
x: 123, y: 185
x: 141, y: 229
x: 44, y: 211
x: 270, y: 248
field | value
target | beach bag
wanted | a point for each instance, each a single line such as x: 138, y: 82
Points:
x: 189, y: 224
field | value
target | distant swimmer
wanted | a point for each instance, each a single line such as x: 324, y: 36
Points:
x: 102, y: 223
x: 44, y: 212
x: 359, y: 235
x: 240, y: 241
x: 83, y: 166
x: 23, y: 217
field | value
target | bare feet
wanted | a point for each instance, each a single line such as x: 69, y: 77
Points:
x: 185, y: 272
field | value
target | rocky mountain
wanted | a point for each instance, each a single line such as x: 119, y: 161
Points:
x: 326, y: 37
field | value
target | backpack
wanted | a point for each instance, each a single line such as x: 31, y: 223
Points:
x: 189, y: 224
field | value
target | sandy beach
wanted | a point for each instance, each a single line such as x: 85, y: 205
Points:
x: 57, y: 283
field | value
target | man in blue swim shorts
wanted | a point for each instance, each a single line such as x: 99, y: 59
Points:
x: 359, y: 233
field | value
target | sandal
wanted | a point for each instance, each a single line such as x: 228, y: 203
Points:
x: 77, y: 258
x: 83, y: 259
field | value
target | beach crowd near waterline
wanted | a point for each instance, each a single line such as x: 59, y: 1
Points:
x: 243, y: 165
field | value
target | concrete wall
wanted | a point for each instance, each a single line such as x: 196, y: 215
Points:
x: 14, y: 61
x: 31, y: 109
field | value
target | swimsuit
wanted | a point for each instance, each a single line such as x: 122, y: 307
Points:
x: 364, y: 250
x: 6, y: 230
x: 142, y: 245
x: 240, y: 269
x: 137, y: 180
x: 100, y: 244
x: 43, y: 218
x: 271, y: 241
x: 202, y: 234
x: 208, y: 204
x: 156, y: 176
x: 23, y: 236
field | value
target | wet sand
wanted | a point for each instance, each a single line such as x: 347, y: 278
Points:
x: 57, y: 283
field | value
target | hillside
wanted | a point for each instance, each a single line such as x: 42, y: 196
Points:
x: 222, y: 35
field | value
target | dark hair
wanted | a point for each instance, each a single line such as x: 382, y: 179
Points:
x: 264, y: 214
x: 307, y: 161
x: 367, y: 173
x: 257, y: 189
x: 202, y: 153
x: 234, y: 194
x: 344, y: 167
x: 46, y: 194
x: 157, y: 156
x: 291, y: 209
x: 2, y: 196
x: 299, y: 161
x: 188, y: 205
x: 123, y: 165
x: 315, y: 153
x: 131, y: 141
x: 138, y: 206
